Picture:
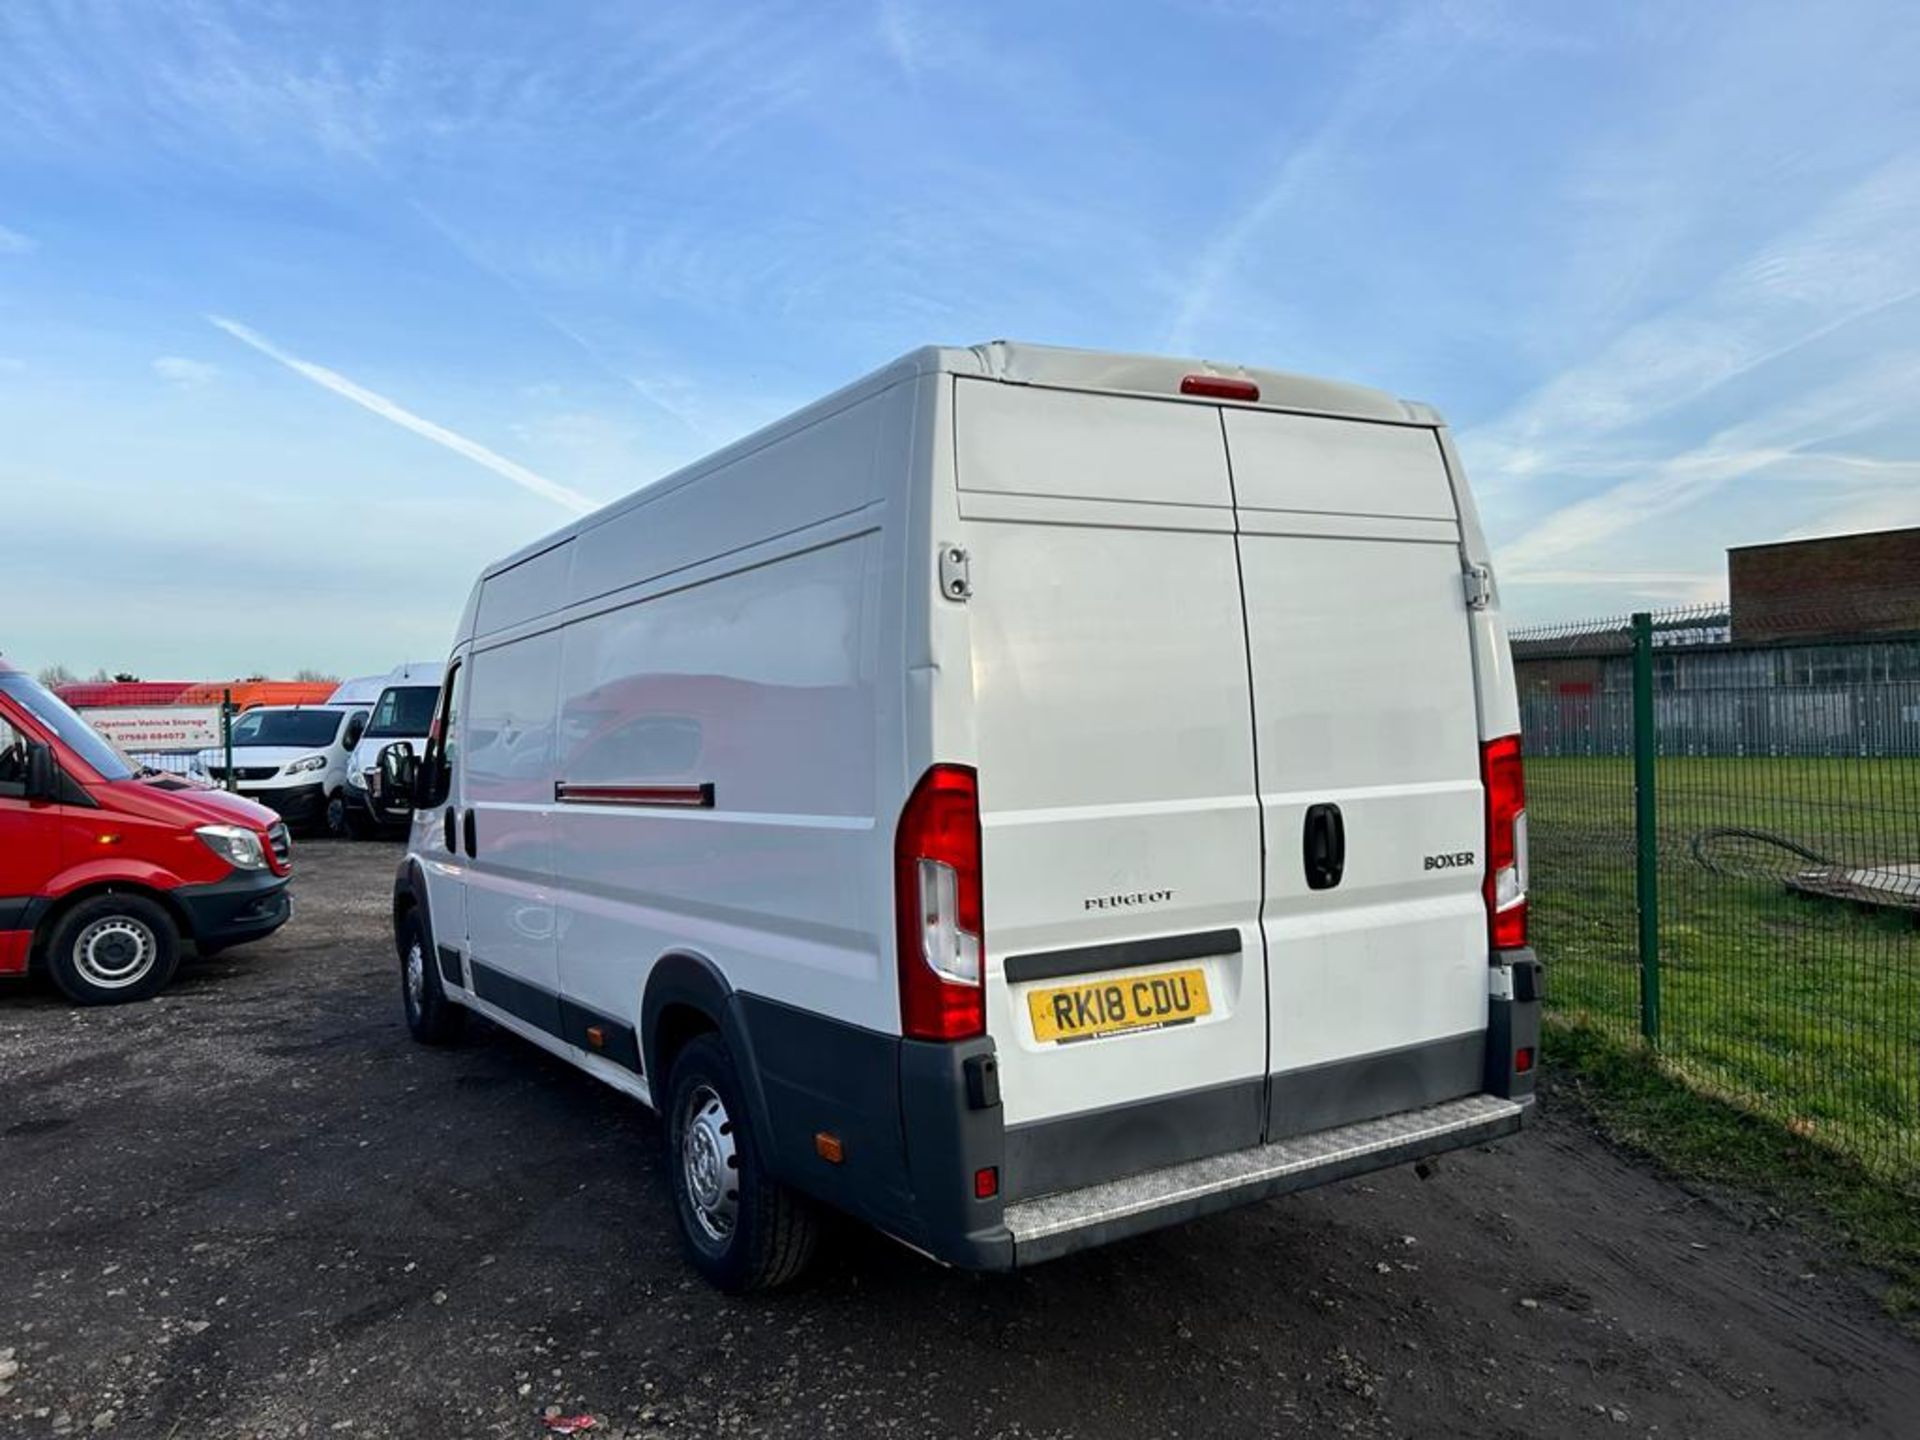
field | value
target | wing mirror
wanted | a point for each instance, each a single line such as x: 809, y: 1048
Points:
x: 42, y: 772
x: 399, y: 768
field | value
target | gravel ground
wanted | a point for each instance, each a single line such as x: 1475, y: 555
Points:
x: 256, y: 1208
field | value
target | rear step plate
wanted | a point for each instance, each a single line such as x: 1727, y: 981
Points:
x: 1052, y: 1225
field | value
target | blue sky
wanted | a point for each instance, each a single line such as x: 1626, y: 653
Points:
x: 308, y: 311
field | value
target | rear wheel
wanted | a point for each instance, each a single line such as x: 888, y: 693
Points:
x: 431, y: 1016
x: 743, y: 1229
x: 113, y: 949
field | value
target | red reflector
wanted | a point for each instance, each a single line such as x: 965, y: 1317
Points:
x: 986, y: 1183
x: 1219, y: 387
x: 1523, y: 1060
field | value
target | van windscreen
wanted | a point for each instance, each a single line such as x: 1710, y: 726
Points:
x: 286, y: 727
x: 106, y: 761
x: 404, y: 710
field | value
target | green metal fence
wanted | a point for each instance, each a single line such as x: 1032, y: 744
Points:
x: 1725, y: 844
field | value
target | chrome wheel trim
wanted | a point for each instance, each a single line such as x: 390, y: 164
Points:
x: 115, y: 952
x: 416, y: 974
x: 709, y: 1164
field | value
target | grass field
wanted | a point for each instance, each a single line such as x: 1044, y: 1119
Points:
x: 1803, y: 1011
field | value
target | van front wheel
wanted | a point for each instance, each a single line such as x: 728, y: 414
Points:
x: 743, y: 1229
x: 113, y: 949
x: 431, y: 1016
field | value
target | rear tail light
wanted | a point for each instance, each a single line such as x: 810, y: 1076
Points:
x: 1506, y: 888
x: 937, y: 899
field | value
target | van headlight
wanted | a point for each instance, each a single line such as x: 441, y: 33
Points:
x: 355, y: 780
x: 239, y: 848
x: 312, y: 762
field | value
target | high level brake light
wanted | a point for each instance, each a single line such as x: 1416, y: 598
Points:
x: 1506, y: 886
x: 1220, y: 387
x: 938, y: 902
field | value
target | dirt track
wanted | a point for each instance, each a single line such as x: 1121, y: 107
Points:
x: 255, y: 1207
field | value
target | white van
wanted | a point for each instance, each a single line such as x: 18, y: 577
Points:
x: 292, y: 759
x: 1025, y: 799
x: 402, y: 714
x: 362, y: 690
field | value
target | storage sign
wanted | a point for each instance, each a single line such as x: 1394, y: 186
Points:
x: 158, y: 727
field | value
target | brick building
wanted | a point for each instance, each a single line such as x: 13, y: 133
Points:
x: 1854, y: 584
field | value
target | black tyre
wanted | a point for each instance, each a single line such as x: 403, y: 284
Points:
x: 431, y: 1016
x: 113, y: 949
x: 743, y: 1230
x: 358, y: 826
x: 336, y: 820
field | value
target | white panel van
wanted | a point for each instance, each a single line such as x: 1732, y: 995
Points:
x: 401, y: 713
x: 1025, y: 799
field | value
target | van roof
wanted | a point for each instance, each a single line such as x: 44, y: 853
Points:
x: 1017, y: 363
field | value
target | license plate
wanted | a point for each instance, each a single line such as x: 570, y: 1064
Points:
x: 1062, y: 1014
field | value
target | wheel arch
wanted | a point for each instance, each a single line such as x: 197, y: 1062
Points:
x: 45, y: 914
x: 687, y: 995
x: 409, y: 896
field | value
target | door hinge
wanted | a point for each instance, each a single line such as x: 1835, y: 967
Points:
x: 1479, y: 582
x: 956, y: 573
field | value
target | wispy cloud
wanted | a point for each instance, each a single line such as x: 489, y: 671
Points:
x: 399, y: 415
x: 1389, y: 77
x: 1850, y: 262
x: 185, y: 373
x: 899, y: 34
x: 1791, y: 437
x: 12, y: 242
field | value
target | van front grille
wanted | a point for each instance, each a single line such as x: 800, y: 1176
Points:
x: 282, y: 843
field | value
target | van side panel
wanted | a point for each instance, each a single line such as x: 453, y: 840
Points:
x: 524, y: 591
x: 505, y: 767
x: 759, y: 685
x: 745, y: 683
x: 829, y: 469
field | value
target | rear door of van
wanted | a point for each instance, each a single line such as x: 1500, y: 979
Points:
x: 1368, y: 750
x: 1228, y: 770
x: 1126, y: 989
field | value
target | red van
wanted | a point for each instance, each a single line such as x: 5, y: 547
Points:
x: 106, y: 869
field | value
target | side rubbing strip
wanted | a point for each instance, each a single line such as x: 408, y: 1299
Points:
x: 599, y: 1034
x: 687, y: 797
x: 531, y: 1003
x: 1126, y: 955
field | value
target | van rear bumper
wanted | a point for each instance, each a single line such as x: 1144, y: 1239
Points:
x: 1055, y: 1225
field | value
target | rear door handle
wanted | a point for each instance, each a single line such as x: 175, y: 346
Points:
x: 473, y: 846
x: 1323, y: 846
